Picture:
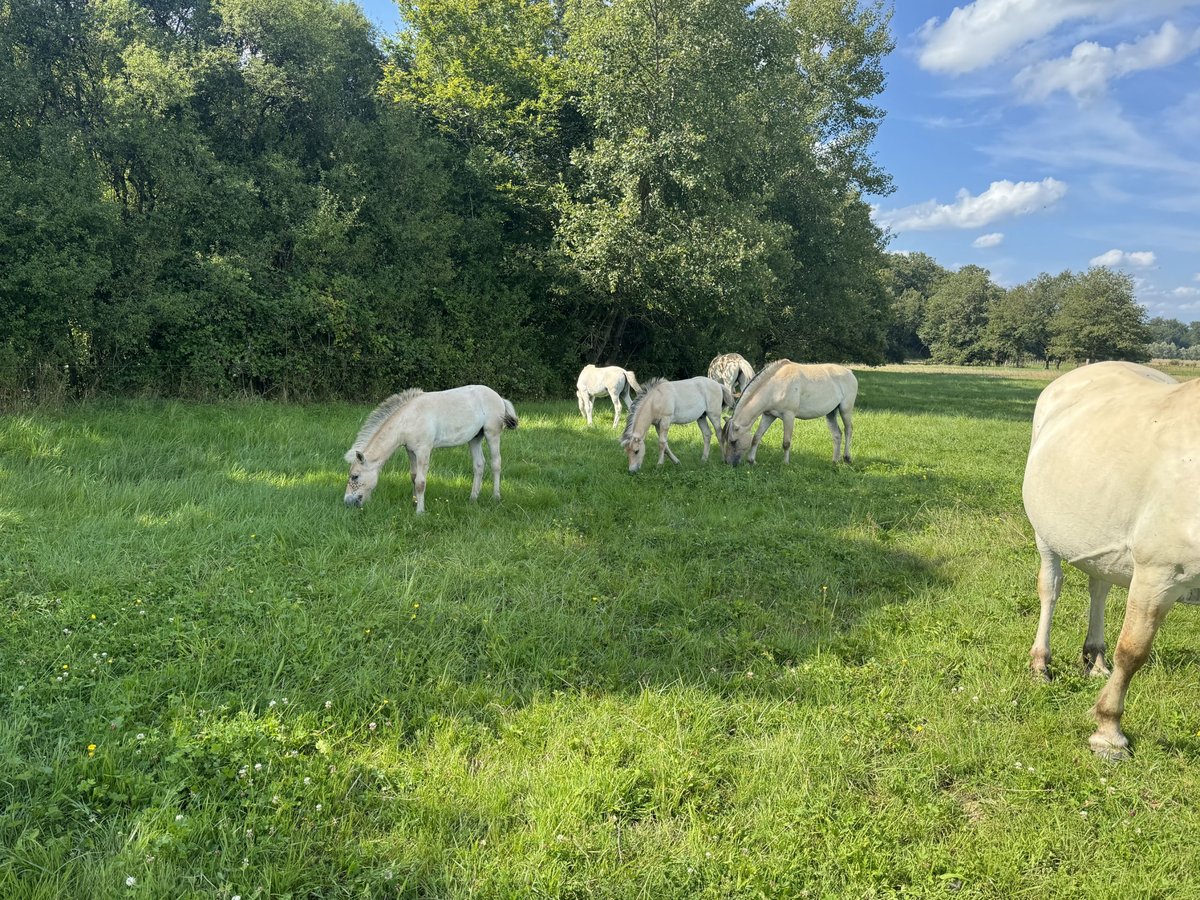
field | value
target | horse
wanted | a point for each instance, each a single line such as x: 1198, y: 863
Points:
x: 667, y: 403
x: 789, y: 391
x: 611, y: 380
x: 731, y: 370
x: 421, y: 422
x: 1112, y: 486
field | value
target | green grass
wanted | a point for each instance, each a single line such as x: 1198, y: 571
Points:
x: 694, y: 682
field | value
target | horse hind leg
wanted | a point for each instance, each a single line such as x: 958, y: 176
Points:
x: 493, y: 441
x: 705, y: 435
x: 1095, y: 652
x: 616, y: 402
x: 1050, y: 579
x: 836, y: 434
x: 1151, y: 595
x: 848, y: 423
x: 476, y: 444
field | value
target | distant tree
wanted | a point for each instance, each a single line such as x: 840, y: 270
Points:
x: 911, y: 279
x: 1018, y: 325
x: 1099, y: 319
x: 1170, y: 331
x: 956, y: 316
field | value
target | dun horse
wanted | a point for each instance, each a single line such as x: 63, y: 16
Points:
x: 611, y: 380
x: 420, y: 422
x: 789, y: 391
x: 1112, y: 486
x: 667, y: 403
x: 731, y: 370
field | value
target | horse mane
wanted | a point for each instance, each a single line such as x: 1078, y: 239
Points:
x: 764, y: 373
x: 378, y: 416
x: 637, y: 402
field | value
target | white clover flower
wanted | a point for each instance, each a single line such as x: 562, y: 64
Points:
x: 307, y: 780
x: 179, y: 817
x: 130, y: 881
x: 329, y: 704
x: 372, y: 726
x: 258, y: 767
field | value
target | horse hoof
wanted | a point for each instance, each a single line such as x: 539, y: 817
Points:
x: 1105, y: 748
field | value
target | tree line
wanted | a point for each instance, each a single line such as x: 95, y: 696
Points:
x: 205, y: 197
x: 962, y: 317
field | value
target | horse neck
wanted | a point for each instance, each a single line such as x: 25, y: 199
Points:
x: 751, y: 404
x: 646, y: 413
x: 392, y: 434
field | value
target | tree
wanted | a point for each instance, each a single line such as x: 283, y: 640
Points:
x: 1019, y: 321
x: 1099, y: 319
x: 957, y: 314
x: 911, y: 279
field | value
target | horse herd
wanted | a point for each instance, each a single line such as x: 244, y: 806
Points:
x: 1112, y: 481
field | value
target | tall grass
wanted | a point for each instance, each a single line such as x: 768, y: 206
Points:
x: 215, y: 680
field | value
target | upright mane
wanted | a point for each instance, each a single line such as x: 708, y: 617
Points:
x: 647, y: 388
x: 378, y: 416
x: 764, y: 373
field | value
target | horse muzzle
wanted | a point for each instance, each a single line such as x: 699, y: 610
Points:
x: 356, y: 500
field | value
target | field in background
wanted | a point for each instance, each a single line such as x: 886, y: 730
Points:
x: 694, y: 682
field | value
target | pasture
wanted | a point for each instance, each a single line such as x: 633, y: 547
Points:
x: 696, y: 681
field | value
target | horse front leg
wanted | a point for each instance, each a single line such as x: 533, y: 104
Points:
x: 616, y: 402
x: 1050, y: 579
x: 836, y: 433
x: 663, y: 447
x: 579, y: 395
x: 767, y: 421
x: 1151, y: 596
x: 1094, y: 650
x: 418, y: 464
x: 789, y: 422
x: 476, y: 445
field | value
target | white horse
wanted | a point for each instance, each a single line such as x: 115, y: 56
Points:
x: 611, y: 380
x: 1112, y: 485
x: 667, y: 403
x: 733, y: 371
x: 789, y: 391
x: 420, y: 422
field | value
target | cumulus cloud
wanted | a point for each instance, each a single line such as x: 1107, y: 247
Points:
x: 988, y: 240
x: 1090, y: 67
x: 1116, y: 258
x: 1001, y: 200
x: 1186, y: 292
x: 976, y: 35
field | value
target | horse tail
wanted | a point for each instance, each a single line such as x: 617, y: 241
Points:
x: 726, y: 397
x: 632, y: 381
x: 510, y: 415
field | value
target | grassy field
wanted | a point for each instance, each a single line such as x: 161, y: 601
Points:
x: 216, y: 681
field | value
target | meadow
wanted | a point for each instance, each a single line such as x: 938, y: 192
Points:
x: 699, y: 681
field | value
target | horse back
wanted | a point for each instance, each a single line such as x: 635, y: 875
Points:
x: 1113, y: 468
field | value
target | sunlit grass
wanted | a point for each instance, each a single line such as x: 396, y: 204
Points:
x: 696, y: 681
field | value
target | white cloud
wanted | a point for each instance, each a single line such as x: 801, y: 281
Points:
x: 1186, y: 292
x: 988, y: 240
x: 976, y: 35
x: 1088, y: 70
x: 1196, y: 277
x: 1115, y: 258
x: 1001, y: 200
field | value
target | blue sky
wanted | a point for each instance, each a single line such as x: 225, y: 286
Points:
x: 1033, y: 136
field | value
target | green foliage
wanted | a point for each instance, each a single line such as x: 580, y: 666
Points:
x: 1099, y: 319
x: 911, y: 279
x: 956, y: 316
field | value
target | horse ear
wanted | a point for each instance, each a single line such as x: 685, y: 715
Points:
x: 358, y: 455
x: 354, y: 456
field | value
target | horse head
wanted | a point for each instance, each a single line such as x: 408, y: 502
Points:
x: 363, y: 478
x: 635, y: 449
x: 735, y: 441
